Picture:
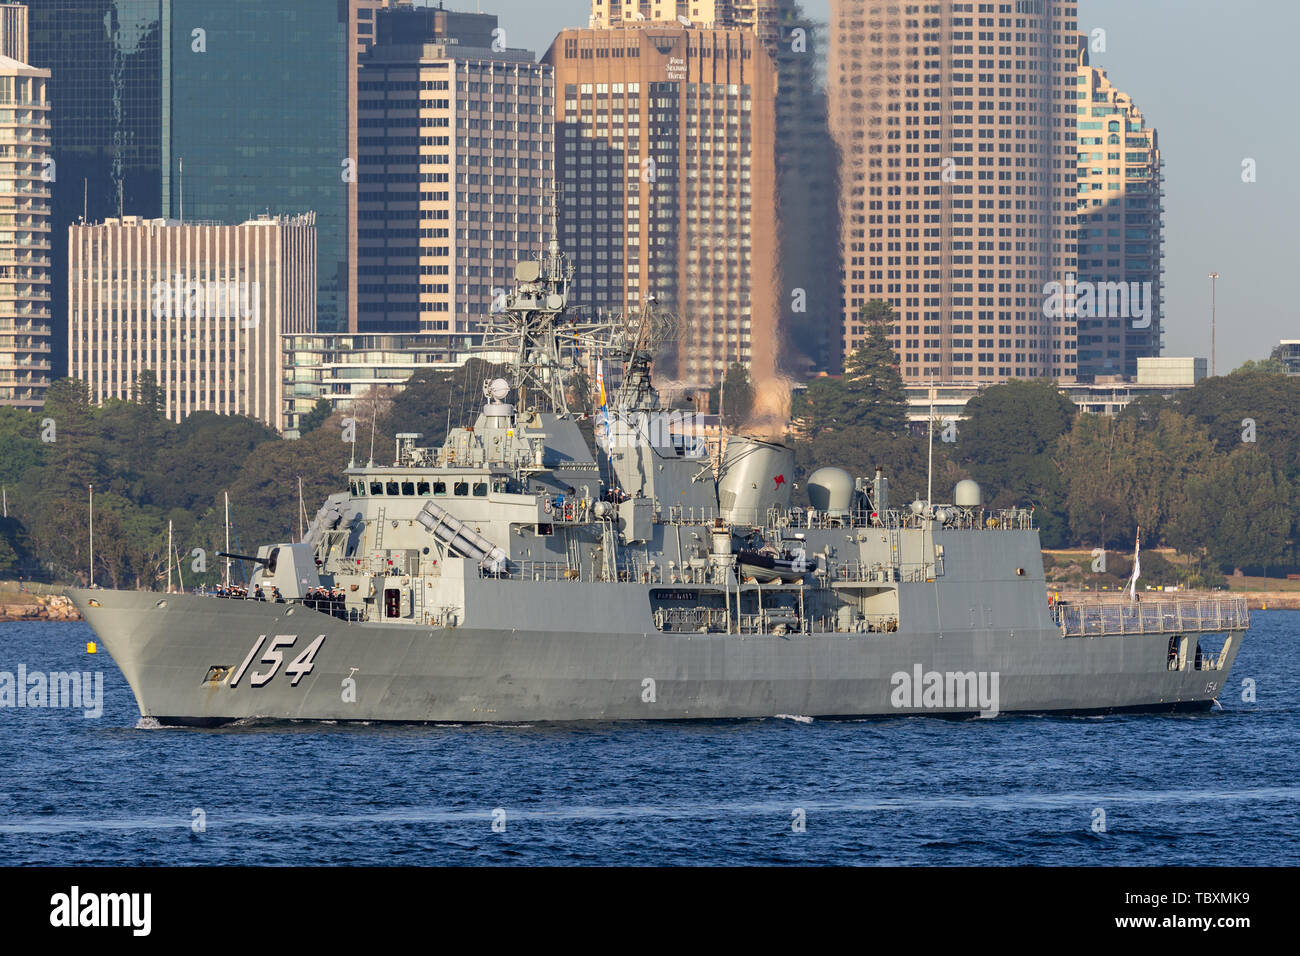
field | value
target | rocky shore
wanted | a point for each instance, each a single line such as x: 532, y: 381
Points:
x: 37, y: 607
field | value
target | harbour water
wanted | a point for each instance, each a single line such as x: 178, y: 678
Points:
x: 1219, y: 788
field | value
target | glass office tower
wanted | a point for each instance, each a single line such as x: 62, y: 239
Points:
x: 257, y: 122
x: 107, y: 67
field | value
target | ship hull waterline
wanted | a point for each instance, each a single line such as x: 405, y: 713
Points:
x: 170, y: 647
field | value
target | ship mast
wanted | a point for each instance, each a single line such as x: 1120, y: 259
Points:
x: 530, y: 323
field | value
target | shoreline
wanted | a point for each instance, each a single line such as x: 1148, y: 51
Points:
x: 1255, y: 600
x: 38, y: 607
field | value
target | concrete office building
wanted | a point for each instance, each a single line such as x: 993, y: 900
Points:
x: 806, y: 198
x: 24, y: 233
x: 13, y: 31
x: 1120, y: 224
x: 342, y: 368
x: 202, y: 306
x: 455, y: 165
x: 665, y: 148
x: 956, y: 130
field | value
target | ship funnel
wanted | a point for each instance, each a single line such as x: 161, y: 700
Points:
x: 755, y: 478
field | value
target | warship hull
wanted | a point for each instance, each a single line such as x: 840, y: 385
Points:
x: 182, y: 656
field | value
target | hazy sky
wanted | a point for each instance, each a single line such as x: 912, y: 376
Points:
x: 1214, y: 78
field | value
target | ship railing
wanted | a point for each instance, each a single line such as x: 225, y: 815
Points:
x: 955, y: 519
x: 691, y: 619
x: 635, y: 571
x: 324, y: 605
x: 1104, y: 619
x: 566, y: 509
x: 682, y: 514
x: 862, y: 571
x: 864, y: 624
x: 538, y: 571
x: 777, y: 620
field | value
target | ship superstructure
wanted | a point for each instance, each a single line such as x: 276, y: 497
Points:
x: 515, y: 572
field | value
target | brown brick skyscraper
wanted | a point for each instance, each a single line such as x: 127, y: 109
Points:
x: 665, y: 148
x: 956, y: 128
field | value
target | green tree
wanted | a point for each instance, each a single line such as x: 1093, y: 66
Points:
x: 435, y: 398
x: 870, y: 392
x: 21, y: 448
x: 8, y: 557
x: 146, y: 393
x: 316, y: 417
x: 1236, y: 513
x: 1095, y: 460
x: 873, y: 387
x: 815, y: 408
x: 1268, y: 366
x: 737, y: 395
x: 1007, y: 442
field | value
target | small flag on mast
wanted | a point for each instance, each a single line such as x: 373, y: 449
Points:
x: 603, y: 430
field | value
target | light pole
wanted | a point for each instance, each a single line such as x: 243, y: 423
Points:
x: 1213, y: 308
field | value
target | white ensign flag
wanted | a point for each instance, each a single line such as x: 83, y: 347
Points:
x: 1137, y: 566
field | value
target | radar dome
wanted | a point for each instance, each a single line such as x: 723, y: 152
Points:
x: 967, y: 494
x: 831, y: 490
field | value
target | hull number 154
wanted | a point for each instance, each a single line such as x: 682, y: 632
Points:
x: 297, y: 669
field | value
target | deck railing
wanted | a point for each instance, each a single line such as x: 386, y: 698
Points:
x: 1152, y: 617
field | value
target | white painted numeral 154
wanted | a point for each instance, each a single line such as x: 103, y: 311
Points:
x: 297, y: 669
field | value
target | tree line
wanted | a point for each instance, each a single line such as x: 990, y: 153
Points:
x: 147, y: 471
x: 1210, y: 472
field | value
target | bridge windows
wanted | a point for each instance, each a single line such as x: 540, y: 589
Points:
x: 480, y: 489
x: 408, y: 488
x: 461, y: 489
x: 391, y: 488
x: 422, y: 489
x: 440, y: 489
x: 376, y: 487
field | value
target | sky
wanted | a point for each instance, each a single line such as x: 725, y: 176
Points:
x: 1213, y: 78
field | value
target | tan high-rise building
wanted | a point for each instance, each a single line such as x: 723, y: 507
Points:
x: 806, y: 197
x: 13, y: 31
x: 25, y: 178
x: 956, y: 129
x: 455, y: 161
x: 1121, y: 227
x: 612, y: 13
x: 666, y: 151
x: 202, y: 306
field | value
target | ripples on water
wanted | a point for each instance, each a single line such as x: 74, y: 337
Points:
x: 1213, y: 788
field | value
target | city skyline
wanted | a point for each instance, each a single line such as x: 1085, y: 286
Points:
x: 934, y: 304
x: 1246, y: 225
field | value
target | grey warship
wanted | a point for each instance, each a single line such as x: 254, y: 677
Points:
x: 516, y: 573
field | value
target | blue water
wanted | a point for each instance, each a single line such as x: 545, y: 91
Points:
x: 1214, y: 788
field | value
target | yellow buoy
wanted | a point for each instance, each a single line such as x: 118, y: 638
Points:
x: 90, y: 647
